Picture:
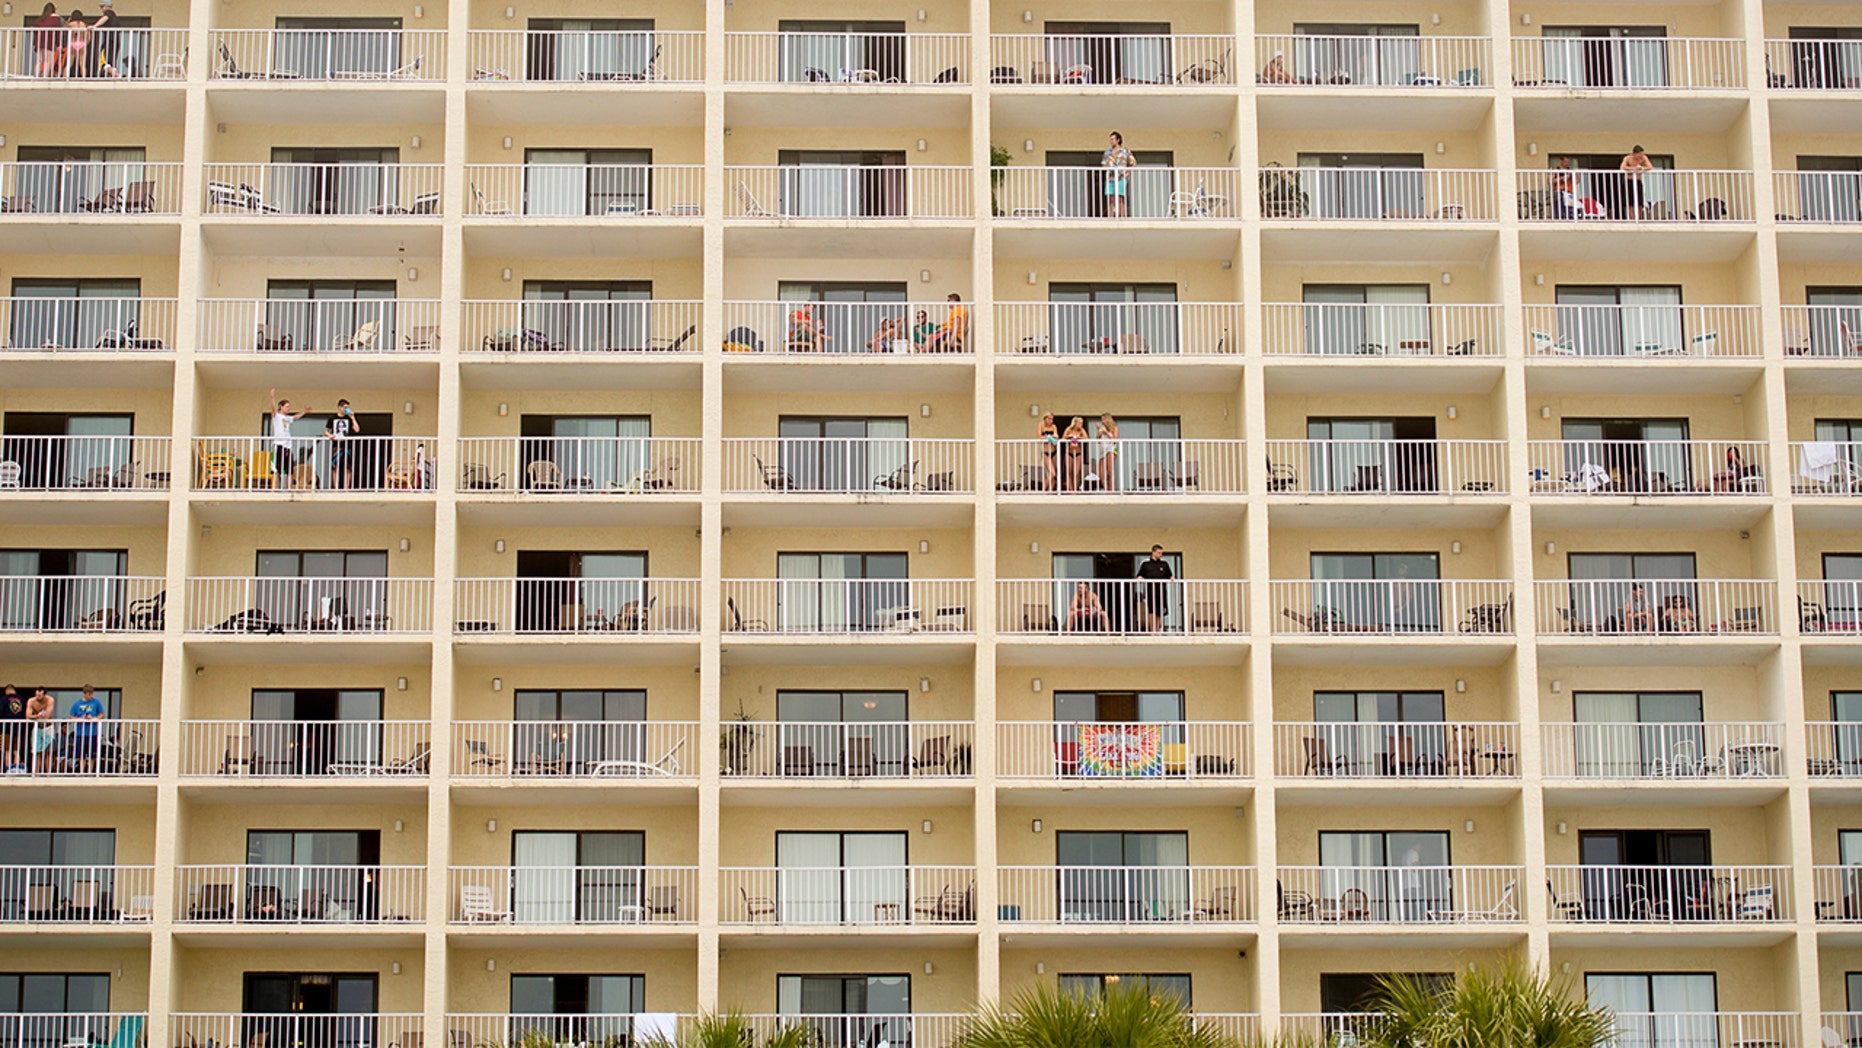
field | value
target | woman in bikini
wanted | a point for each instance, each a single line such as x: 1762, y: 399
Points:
x: 1049, y: 436
x: 1073, y: 441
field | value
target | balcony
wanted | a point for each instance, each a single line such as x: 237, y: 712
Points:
x: 44, y: 1029
x: 1126, y: 895
x: 136, y: 55
x: 251, y: 893
x: 1431, y: 895
x: 1667, y: 197
x: 1694, y: 1028
x: 322, y: 750
x: 882, y: 329
x: 87, y: 465
x: 342, y: 55
x: 1381, y: 751
x: 1839, y: 893
x: 648, y: 751
x: 849, y: 192
x: 874, y: 608
x: 882, y: 59
x: 361, y: 325
x: 1124, y: 467
x: 918, y: 750
x: 464, y: 1028
x: 1833, y: 197
x: 857, y: 896
x: 360, y: 190
x: 507, y: 327
x: 600, y: 609
x: 1670, y: 894
x: 917, y: 1030
x: 310, y: 606
x: 611, y: 466
x: 103, y: 325
x: 1313, y: 329
x: 81, y: 604
x: 586, y: 56
x: 1302, y: 61
x: 1834, y: 749
x: 580, y: 191
x: 101, y: 748
x: 1822, y: 331
x: 1121, y: 60
x: 320, y: 465
x: 1826, y: 468
x: 1377, y: 194
x: 1830, y: 606
x: 82, y: 188
x: 1118, y: 329
x: 1165, y: 752
x: 1643, y: 332
x: 1651, y: 608
x: 1387, y: 467
x: 1644, y: 468
x: 802, y: 466
x: 1669, y: 63
x: 1121, y: 607
x: 1152, y: 193
x: 1813, y: 65
x: 1392, y: 607
x: 295, y: 1028
x: 64, y: 895
x: 580, y: 895
x: 1714, y: 751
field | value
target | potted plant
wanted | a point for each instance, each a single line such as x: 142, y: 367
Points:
x: 737, y: 740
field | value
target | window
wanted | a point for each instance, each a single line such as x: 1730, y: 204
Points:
x: 73, y: 313
x: 590, y: 315
x: 842, y: 732
x: 834, y: 592
x: 66, y: 178
x: 1842, y: 589
x: 308, y: 731
x: 842, y: 454
x: 334, y: 181
x: 848, y: 1011
x: 87, y: 450
x: 840, y: 878
x: 1639, y: 454
x: 1846, y: 712
x: 590, y: 49
x: 1825, y: 56
x: 565, y: 591
x: 1372, y: 454
x: 65, y: 1007
x: 587, y: 181
x: 310, y: 1009
x: 312, y: 875
x: 1606, y: 321
x: 1112, y: 318
x: 325, y: 48
x: 843, y: 183
x: 583, y: 452
x: 1835, y: 314
x: 848, y: 311
x: 575, y: 1009
x: 1658, y: 1010
x: 1606, y: 55
x: 1110, y: 52
x: 1122, y: 876
x: 1623, y: 879
x: 1631, y: 734
x: 324, y: 589
x: 316, y: 314
x: 1387, y: 591
x: 112, y: 699
x: 1625, y: 592
x: 52, y: 589
x: 821, y: 49
x: 1852, y: 1000
x: 564, y: 732
x: 1363, y: 185
x: 1381, y: 732
x: 1093, y: 985
x: 1076, y: 183
x: 1370, y: 54
x: 41, y: 869
x: 1389, y: 876
x: 569, y: 877
x: 1347, y: 319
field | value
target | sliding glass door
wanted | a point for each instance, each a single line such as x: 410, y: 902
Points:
x: 569, y: 877
x: 840, y: 878
x: 1113, y: 318
x: 1371, y: 319
x: 1632, y: 734
x: 1119, y: 877
x: 1387, y: 876
x: 842, y: 592
x: 1669, y: 1010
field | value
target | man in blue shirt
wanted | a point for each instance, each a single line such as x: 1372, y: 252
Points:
x: 85, y: 713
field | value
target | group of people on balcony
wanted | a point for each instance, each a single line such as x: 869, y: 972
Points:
x: 31, y: 740
x: 808, y: 332
x: 68, y: 45
x: 1064, y: 454
x: 339, y: 430
x: 1086, y: 612
x: 1673, y: 615
x: 1632, y: 201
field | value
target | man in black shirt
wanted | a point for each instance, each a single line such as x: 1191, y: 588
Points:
x: 340, y: 429
x: 1155, y: 593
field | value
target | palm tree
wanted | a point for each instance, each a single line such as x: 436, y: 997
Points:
x: 1489, y: 1006
x: 1128, y: 1014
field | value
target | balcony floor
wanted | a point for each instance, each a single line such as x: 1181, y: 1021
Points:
x: 1098, y: 649
x: 1655, y: 793
x: 1319, y: 791
x: 1170, y: 792
x: 1159, y: 373
x: 1359, y: 935
x: 1382, y: 375
x: 1627, y: 112
x: 843, y: 792
x: 326, y: 102
x: 1345, y: 108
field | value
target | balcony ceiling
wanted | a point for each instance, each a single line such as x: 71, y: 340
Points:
x: 1834, y: 651
x: 1138, y: 936
x: 73, y: 509
x: 1208, y: 649
x: 312, y: 372
x: 1655, y: 513
x: 1369, y: 650
x: 1313, y: 792
x: 407, y: 791
x: 1646, y: 242
x: 577, y: 511
x: 923, y: 649
x: 1358, y: 242
x: 1423, y: 109
x: 1755, y: 793
x: 896, y: 937
x: 1811, y: 376
x: 1667, y: 936
x: 591, y: 237
x: 1120, y: 511
x: 1830, y: 245
x: 105, y: 371
x: 847, y: 106
x: 1383, y: 376
x: 1846, y: 516
x: 548, y: 650
x: 1096, y: 109
x: 335, y: 104
x: 843, y: 239
x: 1699, y: 650
x: 112, y: 649
x: 583, y: 105
x: 285, y: 938
x: 847, y: 373
x: 1792, y: 115
x: 1137, y: 240
x: 1159, y: 374
x: 572, y: 793
x: 1352, y: 512
x: 584, y: 372
x: 55, y: 235
x: 1343, y: 936
x: 316, y: 236
x: 332, y: 509
x: 210, y: 649
x: 147, y: 103
x: 835, y: 792
x: 772, y: 510
x: 1624, y: 112
x: 1678, y: 377
x: 1082, y: 793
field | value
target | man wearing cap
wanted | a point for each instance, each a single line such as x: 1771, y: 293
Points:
x: 104, y: 39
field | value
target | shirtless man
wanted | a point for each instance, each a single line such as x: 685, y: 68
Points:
x: 1633, y: 166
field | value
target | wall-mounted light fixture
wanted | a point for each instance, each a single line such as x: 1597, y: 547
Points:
x: 1452, y: 413
x: 491, y: 826
x: 1035, y: 684
x: 921, y: 14
x: 497, y: 684
x: 406, y: 545
x: 419, y: 11
x: 1550, y: 548
x: 1538, y: 279
x: 1563, y: 828
x: 1545, y: 411
x: 498, y: 546
x: 1033, y: 277
x: 1034, y: 547
x: 924, y: 276
x: 1455, y: 546
x: 1027, y: 145
x: 924, y: 684
x: 491, y: 965
x: 1035, y: 826
x: 399, y: 825
x: 412, y: 274
x: 1435, y: 18
x: 921, y: 145
x: 924, y: 545
x: 396, y: 966
x: 929, y: 968
x: 1467, y: 826
x: 504, y: 409
x: 924, y: 411
x: 510, y: 12
x: 1557, y: 686
x: 1448, y: 278
x: 1027, y: 16
x: 1532, y: 149
x: 925, y: 826
x: 1440, y: 148
x: 415, y: 141
x: 507, y: 141
x: 1461, y: 684
x: 506, y: 274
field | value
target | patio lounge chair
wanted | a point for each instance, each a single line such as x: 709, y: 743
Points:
x: 748, y: 206
x: 1505, y: 908
x: 476, y: 907
x: 364, y: 338
x: 739, y: 623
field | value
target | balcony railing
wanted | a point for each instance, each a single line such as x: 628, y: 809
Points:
x: 113, y: 325
x: 1392, y: 607
x: 1818, y: 196
x: 1391, y: 750
x: 611, y: 609
x: 329, y: 54
x: 528, y: 750
x: 1124, y: 59
x: 1328, y: 1028
x: 1826, y: 467
x: 1159, y: 751
x: 109, y: 748
x: 349, y: 325
x: 1665, y: 894
x: 848, y: 607
x: 81, y: 603
x: 106, y: 894
x: 1358, y: 194
x: 1658, y: 196
x: 1635, y: 1029
x: 579, y: 465
x: 1400, y: 894
x: 1071, y: 193
x: 315, y: 464
x: 1830, y: 606
x: 93, y: 465
x: 558, y: 56
x: 808, y: 329
x: 1657, y: 607
x: 1643, y: 331
x: 1696, y: 751
x: 1641, y: 468
x: 1387, y: 467
x: 847, y: 750
x: 318, y: 606
x: 1125, y: 894
x: 303, y: 894
x: 623, y: 326
x: 114, y: 56
x: 294, y: 1028
x: 347, y: 189
x: 1822, y: 331
x: 600, y: 1029
x: 848, y: 191
x: 848, y: 465
x: 1125, y: 466
x: 574, y: 895
x: 1656, y: 63
x: 50, y: 1029
x: 586, y: 190
x: 917, y: 1030
x: 322, y: 749
x: 1835, y: 748
x: 1126, y: 607
x: 90, y: 187
x: 917, y: 59
x: 1300, y: 60
x: 1839, y: 893
x: 1067, y: 329
x: 1813, y: 65
x: 847, y: 895
x: 1334, y: 329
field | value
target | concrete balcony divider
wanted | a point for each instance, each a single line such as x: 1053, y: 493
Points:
x: 106, y: 325
x: 1123, y: 467
x: 93, y: 465
x: 847, y: 192
x: 102, y: 747
x: 359, y: 749
x: 1830, y: 606
x: 1670, y: 894
x: 1389, y: 750
x: 1667, y: 197
x: 352, y: 55
x: 1640, y: 468
x: 1813, y: 65
x: 610, y: 466
x: 254, y: 893
x: 1344, y: 329
x: 848, y: 465
x: 1377, y: 194
x: 310, y: 606
x: 295, y: 1028
x: 601, y: 609
x: 1129, y: 63
x: 847, y: 895
x: 1643, y: 332
x: 106, y: 189
x: 1076, y: 193
x: 1663, y: 63
x: 1392, y: 607
x: 1401, y: 894
x: 607, y: 191
x: 1658, y: 608
x: 125, y: 56
x: 348, y: 190
x: 847, y: 749
x: 574, y: 895
x: 1126, y: 895
x: 873, y: 58
x: 1387, y: 467
x: 1157, y: 751
x: 1067, y: 329
x: 875, y: 608
x: 587, y: 56
x: 319, y: 465
x: 353, y: 325
x: 84, y: 894
x: 650, y: 751
x: 1124, y: 607
x: 809, y: 330
x: 1716, y: 750
x: 518, y: 327
x: 1302, y: 60
x: 82, y: 603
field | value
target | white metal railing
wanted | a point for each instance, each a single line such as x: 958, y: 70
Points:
x: 814, y: 328
x: 1697, y: 750
x: 1077, y: 59
x: 847, y: 895
x: 84, y: 463
x: 642, y: 1028
x: 1660, y: 894
x: 1643, y: 331
x: 294, y: 1028
x: 1164, y: 751
x: 301, y: 893
x: 1648, y: 607
x: 1387, y: 467
x: 1236, y: 1027
x: 872, y: 607
x: 1397, y: 750
x: 1124, y: 466
x: 304, y: 748
x: 145, y: 325
x: 843, y: 749
x: 90, y: 187
x: 345, y: 325
x: 595, y: 607
x: 1391, y: 607
x: 633, y: 326
x: 1656, y: 196
x: 45, y: 1029
x: 1373, y: 61
x: 329, y: 54
x: 1328, y: 1028
x: 586, y: 190
x: 579, y: 465
x: 1400, y: 894
x: 1125, y: 894
x: 624, y: 56
x: 1818, y: 196
x: 81, y: 603
x: 649, y: 750
x: 574, y: 895
x: 81, y: 894
x: 1834, y: 748
x: 1149, y: 192
x: 1356, y: 194
x: 918, y: 1030
x: 348, y: 189
x: 101, y: 747
x: 1649, y: 63
x: 1118, y: 328
x: 1839, y: 893
x: 1130, y: 607
x: 106, y: 57
x: 857, y: 465
x: 357, y: 462
x: 1822, y: 331
x: 846, y: 58
x: 1633, y: 1029
x: 1830, y: 606
x: 1648, y: 467
x: 310, y: 605
x: 1814, y: 65
x: 1347, y: 329
x: 848, y: 191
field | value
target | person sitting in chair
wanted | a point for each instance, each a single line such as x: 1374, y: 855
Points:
x: 890, y: 329
x: 1275, y: 71
x: 1678, y: 617
x: 1638, y: 616
x: 806, y: 330
x: 1087, y: 613
x: 950, y: 337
